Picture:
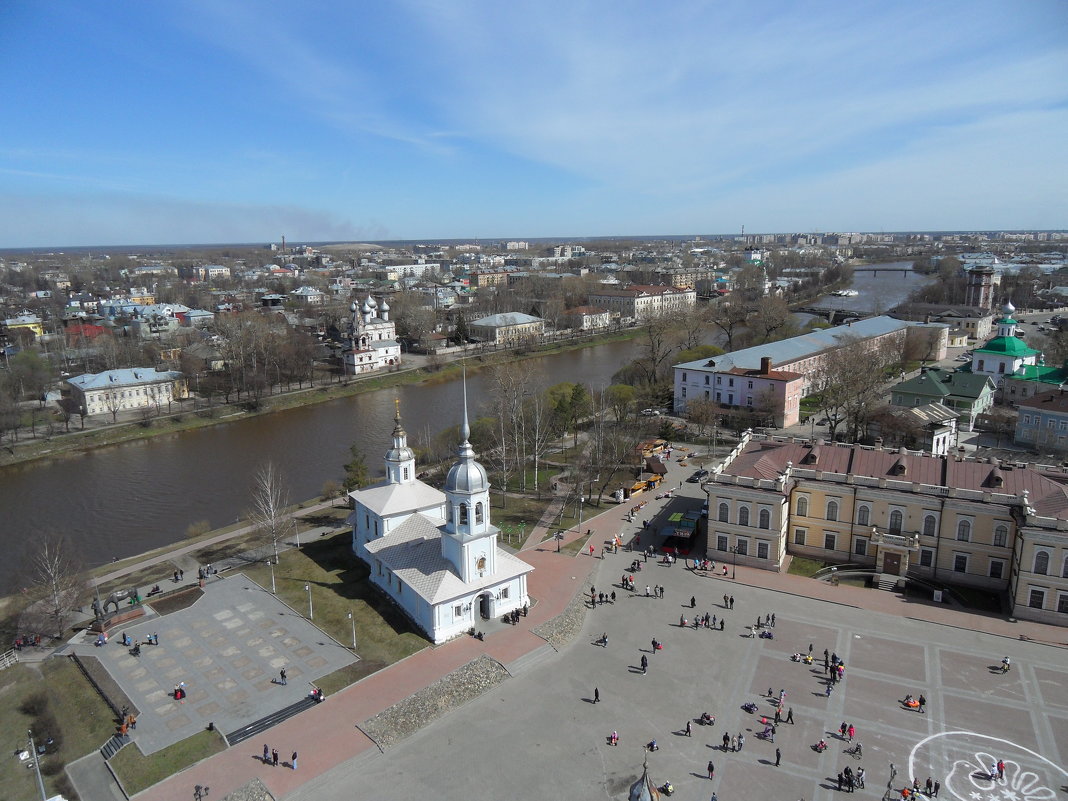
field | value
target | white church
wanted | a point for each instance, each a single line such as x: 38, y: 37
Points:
x: 435, y: 553
x: 374, y: 338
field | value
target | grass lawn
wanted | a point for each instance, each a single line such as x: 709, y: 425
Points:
x: 54, y: 700
x: 138, y: 772
x: 800, y: 566
x: 339, y: 585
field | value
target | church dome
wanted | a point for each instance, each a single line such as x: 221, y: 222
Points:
x: 1008, y: 308
x: 467, y: 476
x: 383, y: 306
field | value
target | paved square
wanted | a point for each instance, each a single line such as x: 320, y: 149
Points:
x: 228, y: 649
x: 539, y: 734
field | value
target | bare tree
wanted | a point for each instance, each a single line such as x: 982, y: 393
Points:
x: 270, y: 499
x: 540, y: 431
x: 58, y: 577
x: 729, y: 317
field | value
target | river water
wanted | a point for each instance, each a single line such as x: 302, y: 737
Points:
x: 123, y: 500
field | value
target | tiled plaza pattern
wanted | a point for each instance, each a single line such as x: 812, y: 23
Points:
x: 227, y: 649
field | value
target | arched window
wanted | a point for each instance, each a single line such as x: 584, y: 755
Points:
x: 743, y: 516
x: 929, y: 526
x: 895, y: 521
x: 463, y: 514
x: 832, y: 510
x: 802, y: 506
x: 478, y: 512
x: 724, y: 512
x: 964, y: 531
x: 1001, y: 536
x: 765, y: 518
x: 1041, y: 562
x: 863, y: 516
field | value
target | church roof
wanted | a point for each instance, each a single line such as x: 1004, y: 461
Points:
x: 386, y: 499
x: 412, y: 551
x: 1007, y: 346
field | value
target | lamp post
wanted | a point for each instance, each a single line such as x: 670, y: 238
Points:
x: 274, y: 589
x: 37, y: 766
x: 581, y: 500
x: 311, y: 612
x: 734, y: 561
x: 353, y: 621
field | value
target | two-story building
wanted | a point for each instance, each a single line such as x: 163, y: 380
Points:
x: 1042, y: 423
x: 968, y: 394
x: 642, y: 302
x: 507, y: 328
x: 996, y: 526
x: 115, y: 391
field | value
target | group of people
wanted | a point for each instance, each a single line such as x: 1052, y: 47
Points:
x: 848, y: 780
x: 270, y: 757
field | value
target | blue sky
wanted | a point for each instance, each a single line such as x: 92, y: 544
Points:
x: 209, y: 121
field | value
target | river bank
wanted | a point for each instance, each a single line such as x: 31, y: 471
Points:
x: 75, y: 442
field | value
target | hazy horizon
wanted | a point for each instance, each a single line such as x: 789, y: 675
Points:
x: 413, y: 120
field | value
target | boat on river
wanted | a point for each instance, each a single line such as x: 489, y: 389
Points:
x: 845, y: 293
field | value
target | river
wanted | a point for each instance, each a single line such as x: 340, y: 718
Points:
x: 122, y: 500
x: 877, y: 292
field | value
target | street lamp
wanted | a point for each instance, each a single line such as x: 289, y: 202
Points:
x: 274, y: 590
x: 37, y: 766
x: 353, y: 621
x: 734, y: 561
x: 581, y: 500
x: 311, y: 612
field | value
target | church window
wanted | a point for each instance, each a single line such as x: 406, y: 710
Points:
x: 463, y: 514
x: 376, y: 528
x: 481, y: 564
x: 504, y: 593
x: 458, y: 610
x: 478, y: 512
x: 405, y: 473
x: 862, y: 515
x: 929, y: 526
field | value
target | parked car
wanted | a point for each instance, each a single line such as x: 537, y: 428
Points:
x: 651, y: 412
x: 697, y: 476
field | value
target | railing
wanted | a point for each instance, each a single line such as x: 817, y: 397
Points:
x: 8, y: 659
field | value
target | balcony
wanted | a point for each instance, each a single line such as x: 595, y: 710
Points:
x: 909, y: 540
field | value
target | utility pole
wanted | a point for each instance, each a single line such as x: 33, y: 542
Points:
x: 37, y: 766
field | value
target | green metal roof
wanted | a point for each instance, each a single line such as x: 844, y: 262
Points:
x: 1007, y: 346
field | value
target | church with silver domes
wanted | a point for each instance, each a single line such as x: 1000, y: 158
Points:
x: 373, y: 336
x: 435, y: 553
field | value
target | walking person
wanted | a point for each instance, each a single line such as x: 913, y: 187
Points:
x: 282, y: 676
x: 645, y: 664
x: 732, y: 602
x: 778, y: 757
x: 274, y: 757
x: 266, y: 754
x: 937, y: 787
x: 689, y: 728
x: 293, y: 761
x: 923, y: 703
x: 790, y: 716
x: 711, y: 770
x: 725, y: 600
x: 852, y: 732
x: 741, y: 740
x: 596, y: 695
x: 734, y: 744
x: 693, y: 602
x: 726, y: 741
